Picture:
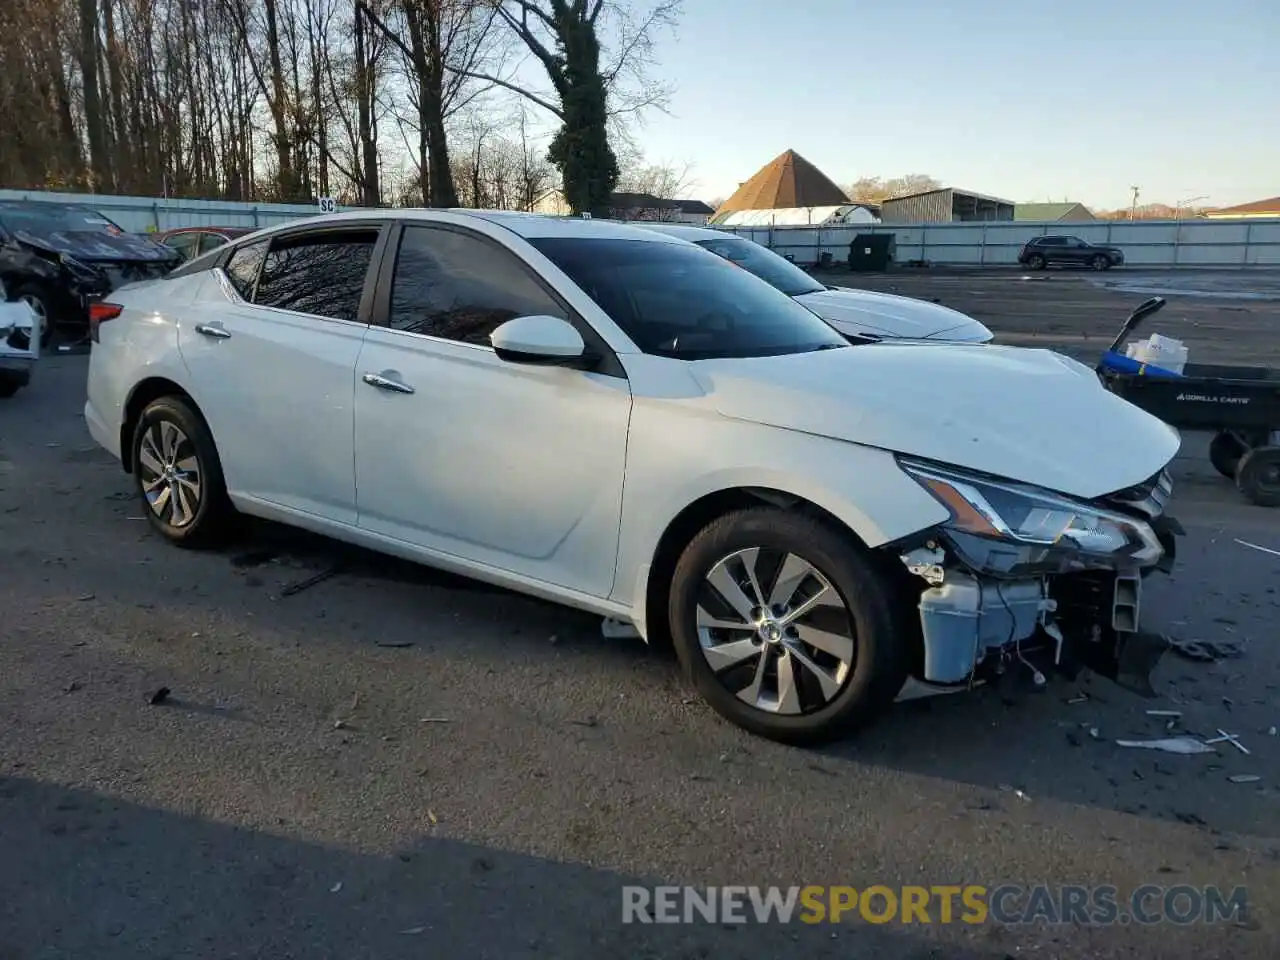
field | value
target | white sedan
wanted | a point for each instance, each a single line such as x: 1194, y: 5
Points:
x: 620, y: 421
x: 862, y: 315
x: 19, y: 344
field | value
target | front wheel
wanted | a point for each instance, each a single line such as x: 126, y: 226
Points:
x: 179, y: 476
x: 785, y: 626
x: 1100, y: 263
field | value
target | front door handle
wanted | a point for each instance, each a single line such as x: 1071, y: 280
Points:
x: 217, y: 333
x: 386, y: 383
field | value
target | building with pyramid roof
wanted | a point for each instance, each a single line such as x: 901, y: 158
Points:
x: 788, y: 190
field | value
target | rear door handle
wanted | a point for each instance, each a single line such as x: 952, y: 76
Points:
x: 217, y: 333
x: 386, y: 383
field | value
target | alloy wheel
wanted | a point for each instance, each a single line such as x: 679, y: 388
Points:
x: 775, y: 631
x: 169, y: 471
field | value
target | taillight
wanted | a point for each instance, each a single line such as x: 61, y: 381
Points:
x: 100, y: 313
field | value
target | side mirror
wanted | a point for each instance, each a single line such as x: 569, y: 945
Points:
x: 544, y: 340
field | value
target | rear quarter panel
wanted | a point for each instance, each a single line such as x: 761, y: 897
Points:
x: 138, y: 345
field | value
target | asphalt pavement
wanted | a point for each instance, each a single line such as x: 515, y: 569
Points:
x: 395, y: 763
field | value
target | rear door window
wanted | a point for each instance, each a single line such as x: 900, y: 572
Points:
x: 319, y: 274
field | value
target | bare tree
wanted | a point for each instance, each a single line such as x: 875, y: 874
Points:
x: 877, y: 189
x: 591, y: 82
x: 444, y: 44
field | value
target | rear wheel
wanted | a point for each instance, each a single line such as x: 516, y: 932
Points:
x: 37, y: 298
x: 785, y: 626
x: 179, y: 476
x: 1228, y: 447
x: 8, y: 388
x: 1036, y: 262
x: 1258, y: 476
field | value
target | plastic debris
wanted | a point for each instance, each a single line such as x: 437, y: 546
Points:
x: 1083, y: 698
x: 432, y: 817
x: 394, y: 644
x: 413, y: 931
x: 159, y: 697
x: 1254, y: 546
x: 311, y: 581
x: 435, y: 720
x: 1164, y: 713
x: 336, y: 887
x: 1245, y: 778
x: 1231, y: 738
x: 1182, y: 745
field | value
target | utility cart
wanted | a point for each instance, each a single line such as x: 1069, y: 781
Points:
x: 1240, y: 404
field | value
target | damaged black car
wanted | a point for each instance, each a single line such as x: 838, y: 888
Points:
x: 59, y: 257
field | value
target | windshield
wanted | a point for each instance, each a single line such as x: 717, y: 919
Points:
x: 675, y: 300
x: 764, y: 263
x: 46, y: 220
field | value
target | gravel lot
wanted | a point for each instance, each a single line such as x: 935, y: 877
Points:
x: 289, y: 801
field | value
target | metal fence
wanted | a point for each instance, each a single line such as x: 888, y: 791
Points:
x: 1150, y: 243
x: 1146, y: 243
x: 145, y: 214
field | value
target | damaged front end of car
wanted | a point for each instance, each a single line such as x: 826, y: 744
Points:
x: 1021, y: 580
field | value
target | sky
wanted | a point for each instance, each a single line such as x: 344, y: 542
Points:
x: 1068, y: 100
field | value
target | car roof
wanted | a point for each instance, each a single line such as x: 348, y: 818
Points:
x: 205, y: 228
x: 528, y: 225
x: 685, y: 231
x: 45, y: 206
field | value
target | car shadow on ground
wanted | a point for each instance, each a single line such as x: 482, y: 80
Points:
x: 88, y: 875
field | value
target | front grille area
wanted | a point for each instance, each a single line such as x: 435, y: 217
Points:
x: 1148, y: 498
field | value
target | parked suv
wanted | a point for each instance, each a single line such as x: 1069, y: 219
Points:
x: 1039, y: 252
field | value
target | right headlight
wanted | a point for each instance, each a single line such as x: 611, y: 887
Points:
x: 1011, y: 528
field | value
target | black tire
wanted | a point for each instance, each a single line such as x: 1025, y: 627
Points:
x: 212, y: 518
x: 33, y: 291
x: 1037, y: 262
x: 1258, y: 476
x: 8, y: 388
x: 1225, y: 451
x: 1100, y: 263
x: 879, y: 662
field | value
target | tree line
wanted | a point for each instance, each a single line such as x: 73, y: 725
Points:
x: 417, y: 102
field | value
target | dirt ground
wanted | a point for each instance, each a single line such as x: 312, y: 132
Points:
x: 393, y: 763
x: 1223, y: 316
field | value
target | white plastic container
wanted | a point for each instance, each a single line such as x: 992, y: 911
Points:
x: 1163, y: 352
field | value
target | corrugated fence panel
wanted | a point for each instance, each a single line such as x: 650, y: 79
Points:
x: 1152, y: 243
x: 1164, y: 243
x: 143, y: 214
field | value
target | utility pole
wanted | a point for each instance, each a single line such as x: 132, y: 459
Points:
x: 1133, y: 209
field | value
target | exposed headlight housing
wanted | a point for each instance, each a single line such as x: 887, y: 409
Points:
x: 1013, y: 529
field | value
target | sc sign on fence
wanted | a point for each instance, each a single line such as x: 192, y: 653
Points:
x: 327, y: 205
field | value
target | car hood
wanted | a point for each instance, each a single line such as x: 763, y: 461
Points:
x: 1022, y: 414
x: 90, y: 245
x: 888, y: 315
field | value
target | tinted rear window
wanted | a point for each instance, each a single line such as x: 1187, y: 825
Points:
x: 774, y: 270
x: 678, y: 300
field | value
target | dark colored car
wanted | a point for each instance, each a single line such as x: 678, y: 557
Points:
x: 192, y: 242
x: 1039, y: 252
x: 59, y: 257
